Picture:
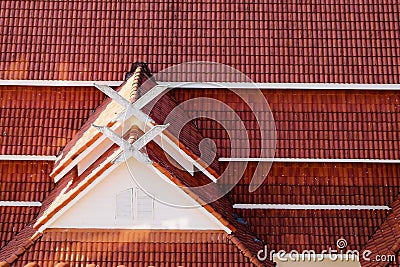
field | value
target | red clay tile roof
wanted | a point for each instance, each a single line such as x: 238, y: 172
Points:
x: 134, y: 248
x: 14, y: 220
x: 322, y: 184
x: 25, y: 180
x: 18, y: 245
x: 103, y: 116
x: 41, y: 120
x: 317, y: 41
x: 163, y: 109
x: 21, y: 181
x: 316, y: 124
x: 318, y: 184
x: 386, y: 240
x: 313, y: 229
x: 221, y: 209
x: 343, y: 124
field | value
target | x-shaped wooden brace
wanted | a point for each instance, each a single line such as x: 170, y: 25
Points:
x: 133, y: 109
x: 132, y: 150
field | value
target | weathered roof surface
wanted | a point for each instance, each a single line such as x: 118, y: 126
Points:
x: 103, y: 115
x: 21, y: 181
x: 14, y: 220
x: 385, y: 241
x: 317, y: 41
x: 72, y: 184
x: 134, y: 248
x: 322, y: 184
x: 318, y: 184
x: 38, y: 120
x: 330, y: 124
x: 313, y: 229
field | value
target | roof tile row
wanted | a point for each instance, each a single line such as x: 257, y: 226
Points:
x: 321, y: 184
x: 21, y: 181
x: 134, y: 248
x: 13, y: 220
x: 41, y: 120
x: 309, y: 123
x: 25, y: 180
x: 313, y: 229
x: 326, y: 42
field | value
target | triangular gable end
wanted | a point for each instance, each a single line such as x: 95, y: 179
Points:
x: 126, y: 198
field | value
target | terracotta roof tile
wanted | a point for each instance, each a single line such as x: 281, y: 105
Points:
x: 134, y: 248
x: 165, y: 110
x: 221, y: 209
x: 103, y: 116
x: 25, y: 180
x: 41, y: 120
x: 385, y: 240
x: 318, y: 184
x: 13, y: 220
x: 310, y: 123
x: 327, y: 42
x: 322, y: 184
x: 313, y: 229
x: 21, y: 181
x: 18, y: 245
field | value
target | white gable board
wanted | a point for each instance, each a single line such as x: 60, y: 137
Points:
x: 118, y: 201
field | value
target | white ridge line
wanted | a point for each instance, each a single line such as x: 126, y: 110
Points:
x: 309, y: 207
x: 20, y: 204
x: 309, y: 160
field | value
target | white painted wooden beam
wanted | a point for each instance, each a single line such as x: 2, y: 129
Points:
x: 317, y: 86
x: 308, y: 207
x: 141, y: 102
x: 132, y: 150
x: 244, y: 85
x: 28, y: 157
x: 140, y: 115
x: 57, y: 83
x: 311, y: 160
x: 149, y: 96
x: 189, y: 158
x: 20, y: 204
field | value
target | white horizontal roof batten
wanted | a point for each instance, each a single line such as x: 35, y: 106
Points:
x: 238, y: 85
x: 308, y: 207
x: 27, y: 157
x: 316, y: 160
x: 57, y: 83
x: 249, y: 85
x: 20, y: 204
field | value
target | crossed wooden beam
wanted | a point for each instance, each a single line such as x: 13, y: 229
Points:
x: 132, y: 109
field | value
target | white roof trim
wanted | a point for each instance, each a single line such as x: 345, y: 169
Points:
x: 202, y: 208
x: 57, y: 83
x: 238, y: 85
x: 27, y: 157
x: 249, y: 85
x: 311, y: 160
x: 189, y: 158
x: 309, y: 207
x: 78, y: 197
x: 20, y: 204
